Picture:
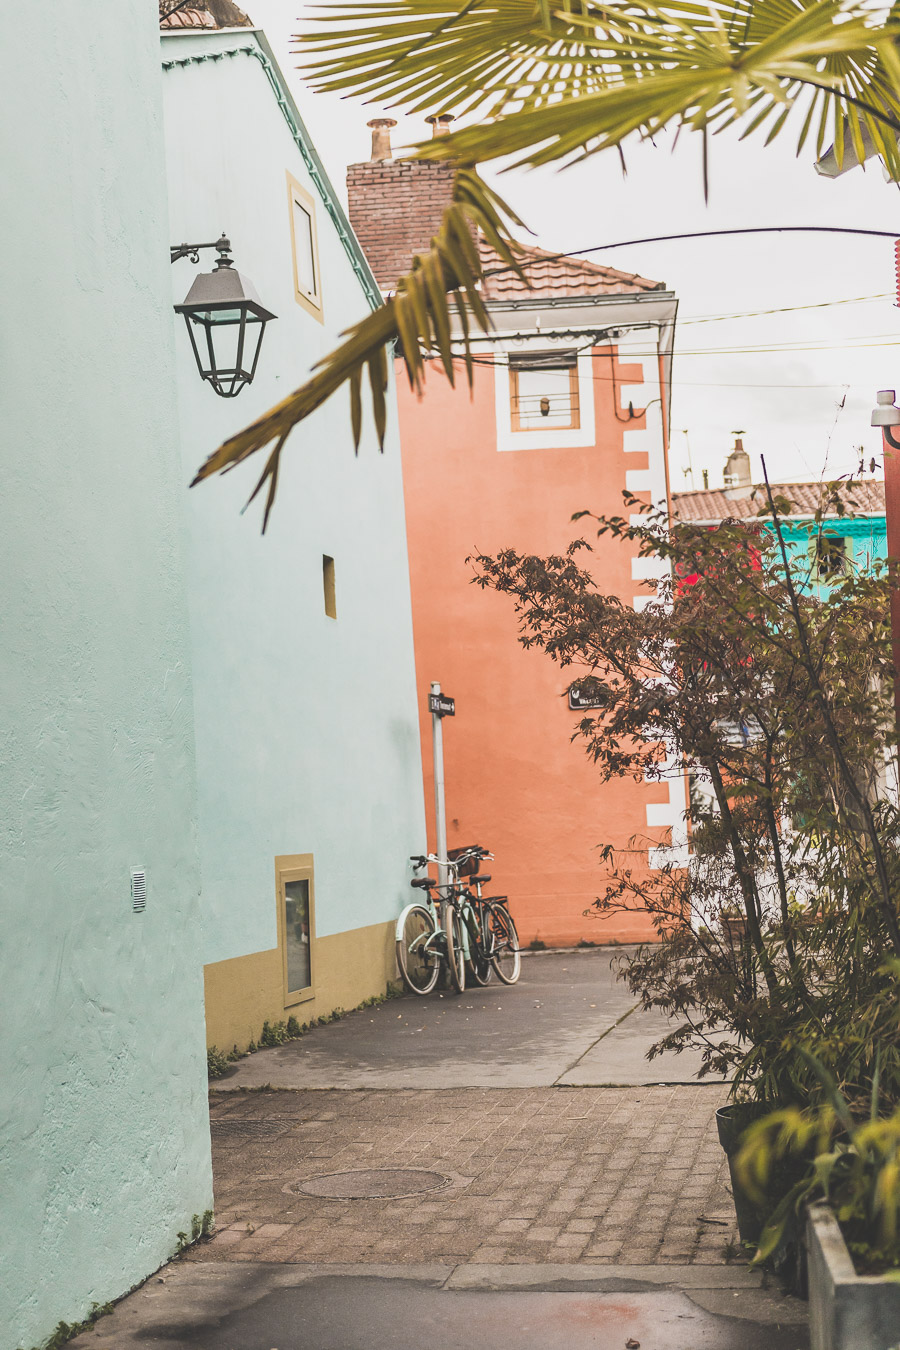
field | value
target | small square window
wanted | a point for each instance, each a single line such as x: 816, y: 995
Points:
x: 543, y: 391
x: 305, y: 248
x: 328, y: 586
x: 296, y: 930
x: 829, y: 554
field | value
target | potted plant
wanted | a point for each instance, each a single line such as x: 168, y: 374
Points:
x: 848, y: 1200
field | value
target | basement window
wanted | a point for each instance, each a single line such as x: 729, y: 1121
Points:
x: 543, y: 391
x: 296, y: 930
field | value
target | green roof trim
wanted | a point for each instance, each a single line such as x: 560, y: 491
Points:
x: 301, y: 137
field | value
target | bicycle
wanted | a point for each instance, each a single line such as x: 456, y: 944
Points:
x: 467, y: 930
x: 430, y: 934
x: 473, y: 910
x: 501, y: 939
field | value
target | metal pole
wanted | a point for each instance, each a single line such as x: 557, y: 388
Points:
x: 440, y: 816
x: 892, y: 522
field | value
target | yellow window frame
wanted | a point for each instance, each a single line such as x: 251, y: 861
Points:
x: 295, y: 867
x: 311, y: 300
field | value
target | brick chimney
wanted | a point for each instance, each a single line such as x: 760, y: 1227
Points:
x: 396, y: 205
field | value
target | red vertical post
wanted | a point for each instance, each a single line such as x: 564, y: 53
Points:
x: 892, y: 521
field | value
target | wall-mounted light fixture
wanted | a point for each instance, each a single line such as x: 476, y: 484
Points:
x: 885, y: 415
x: 225, y: 320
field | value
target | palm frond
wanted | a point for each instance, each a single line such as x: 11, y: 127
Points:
x: 417, y: 317
x: 433, y: 54
x: 576, y: 78
x: 850, y: 71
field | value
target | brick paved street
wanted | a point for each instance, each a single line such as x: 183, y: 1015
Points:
x: 588, y: 1175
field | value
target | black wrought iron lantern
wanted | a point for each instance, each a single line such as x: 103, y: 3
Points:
x: 225, y: 320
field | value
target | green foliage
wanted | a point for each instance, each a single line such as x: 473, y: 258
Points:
x: 67, y: 1331
x: 274, y: 1033
x: 294, y: 1030
x: 217, y: 1062
x: 537, y: 945
x: 782, y: 931
x: 852, y: 1163
x: 201, y: 1227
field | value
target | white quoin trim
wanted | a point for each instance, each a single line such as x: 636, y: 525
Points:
x: 669, y: 815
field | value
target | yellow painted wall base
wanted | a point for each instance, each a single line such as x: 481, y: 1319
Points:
x: 246, y: 991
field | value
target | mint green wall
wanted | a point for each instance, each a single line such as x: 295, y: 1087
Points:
x: 307, y: 734
x: 104, y: 1141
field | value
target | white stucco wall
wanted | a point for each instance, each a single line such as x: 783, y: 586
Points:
x: 104, y: 1140
x: 307, y: 737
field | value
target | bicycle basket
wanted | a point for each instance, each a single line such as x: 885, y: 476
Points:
x: 469, y: 865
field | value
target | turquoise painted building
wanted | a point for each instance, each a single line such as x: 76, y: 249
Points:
x: 305, y: 700
x: 104, y: 1137
x: 818, y: 551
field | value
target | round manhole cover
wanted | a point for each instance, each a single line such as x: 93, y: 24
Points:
x: 372, y: 1183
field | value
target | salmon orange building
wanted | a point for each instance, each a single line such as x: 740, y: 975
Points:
x: 570, y: 407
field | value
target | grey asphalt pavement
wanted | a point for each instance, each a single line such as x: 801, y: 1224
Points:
x: 569, y: 1022
x: 276, y: 1307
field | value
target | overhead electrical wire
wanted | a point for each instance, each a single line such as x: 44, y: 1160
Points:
x: 525, y: 263
x: 703, y: 384
x: 783, y: 309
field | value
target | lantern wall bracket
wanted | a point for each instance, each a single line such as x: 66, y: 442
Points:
x: 192, y: 251
x: 885, y: 415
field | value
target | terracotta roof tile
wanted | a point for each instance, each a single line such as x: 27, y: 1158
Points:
x: 551, y: 276
x: 863, y: 497
x: 202, y: 14
x: 187, y: 18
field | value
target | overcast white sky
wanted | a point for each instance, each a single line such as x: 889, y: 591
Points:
x: 787, y: 402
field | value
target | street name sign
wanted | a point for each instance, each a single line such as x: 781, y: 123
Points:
x: 442, y: 705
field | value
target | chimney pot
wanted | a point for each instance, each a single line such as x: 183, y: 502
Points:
x: 381, y: 137
x: 440, y: 123
x: 738, y: 481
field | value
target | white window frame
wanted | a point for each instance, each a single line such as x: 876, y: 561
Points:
x: 543, y: 438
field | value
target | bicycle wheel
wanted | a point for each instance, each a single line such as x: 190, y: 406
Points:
x: 419, y: 964
x: 505, y: 956
x: 480, y: 944
x: 455, y: 953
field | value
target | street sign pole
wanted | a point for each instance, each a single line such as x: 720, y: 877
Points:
x: 440, y: 816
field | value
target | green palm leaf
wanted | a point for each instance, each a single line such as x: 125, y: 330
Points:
x: 699, y: 77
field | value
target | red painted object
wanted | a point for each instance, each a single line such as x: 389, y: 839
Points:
x: 892, y: 522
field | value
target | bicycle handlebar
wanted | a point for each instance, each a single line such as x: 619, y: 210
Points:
x: 421, y: 859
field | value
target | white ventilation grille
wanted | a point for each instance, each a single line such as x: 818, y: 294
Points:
x: 139, y: 890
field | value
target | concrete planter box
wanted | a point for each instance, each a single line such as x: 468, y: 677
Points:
x: 846, y: 1311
